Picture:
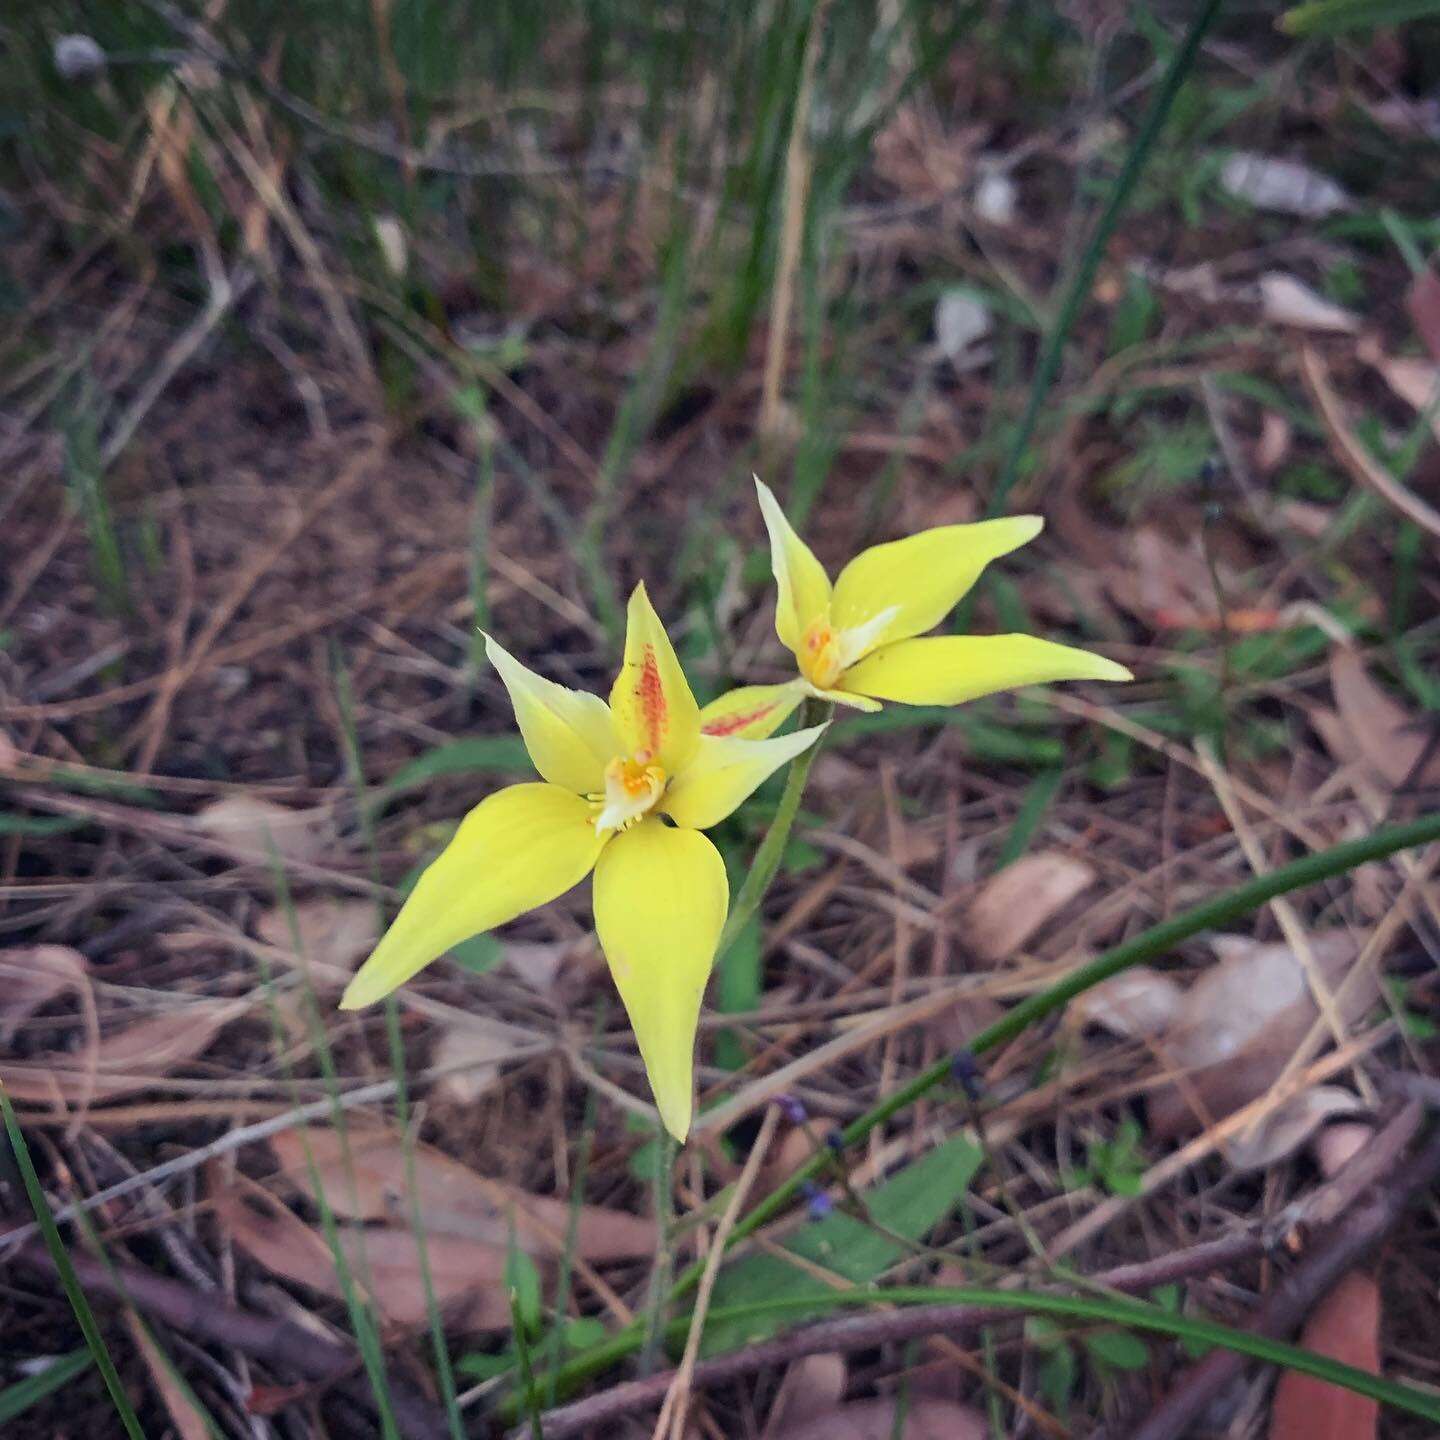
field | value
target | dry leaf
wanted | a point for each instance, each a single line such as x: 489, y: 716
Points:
x: 996, y: 198
x: 813, y: 1387
x: 189, y: 1423
x: 1288, y: 301
x: 1345, y: 1326
x: 472, y: 1057
x: 925, y: 1419
x: 334, y: 936
x: 452, y: 1199
x: 1423, y: 303
x: 254, y: 827
x: 131, y: 1059
x: 1380, y: 730
x: 1286, y: 1128
x: 467, y: 1275
x: 1136, y: 1005
x: 1241, y: 1022
x: 1017, y: 902
x: 962, y: 319
x: 1277, y: 435
x: 1415, y: 381
x: 32, y: 977
x: 1283, y: 185
x: 1337, y: 1145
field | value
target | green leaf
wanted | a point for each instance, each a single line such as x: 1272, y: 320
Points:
x: 504, y: 754
x: 17, y: 1398
x: 737, y: 990
x: 1117, y: 1349
x: 910, y: 1205
x: 486, y: 1367
x: 479, y: 954
x: 1336, y: 17
x: 522, y: 1280
x: 1058, y: 1373
x: 40, y: 824
x: 582, y: 1333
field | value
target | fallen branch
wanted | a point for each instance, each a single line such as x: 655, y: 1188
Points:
x: 277, y: 1343
x: 1368, y: 1169
x: 1336, y: 1250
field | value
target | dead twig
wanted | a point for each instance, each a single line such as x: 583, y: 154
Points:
x: 1368, y: 1172
x: 273, y: 1341
x: 1339, y: 1248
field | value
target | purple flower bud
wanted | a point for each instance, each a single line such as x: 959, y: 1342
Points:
x: 792, y: 1109
x: 965, y: 1070
x: 817, y: 1202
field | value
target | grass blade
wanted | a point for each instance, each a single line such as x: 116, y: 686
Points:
x: 66, y: 1271
x: 1079, y: 288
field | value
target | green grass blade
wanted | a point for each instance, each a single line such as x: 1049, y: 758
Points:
x: 1079, y: 288
x: 16, y: 1399
x: 66, y: 1271
x: 1336, y: 17
x: 1133, y: 1314
x: 1220, y: 910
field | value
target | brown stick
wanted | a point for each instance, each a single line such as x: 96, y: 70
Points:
x: 278, y: 1343
x: 1337, y: 1249
x: 857, y: 1332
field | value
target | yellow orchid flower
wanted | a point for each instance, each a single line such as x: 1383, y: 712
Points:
x: 855, y: 642
x: 609, y: 773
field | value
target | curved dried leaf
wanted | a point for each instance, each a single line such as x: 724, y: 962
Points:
x: 452, y: 1198
x: 1136, y: 1005
x: 1346, y: 1327
x: 467, y: 1275
x: 1286, y: 1128
x: 925, y: 1419
x: 1015, y: 904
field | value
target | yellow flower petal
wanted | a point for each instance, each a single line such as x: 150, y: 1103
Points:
x: 847, y: 698
x: 800, y: 578
x: 950, y: 669
x: 651, y: 700
x: 753, y: 712
x: 660, y: 902
x: 922, y: 576
x: 725, y: 772
x: 517, y: 849
x: 567, y: 732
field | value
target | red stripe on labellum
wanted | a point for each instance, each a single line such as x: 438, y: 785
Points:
x: 729, y: 724
x: 651, y: 694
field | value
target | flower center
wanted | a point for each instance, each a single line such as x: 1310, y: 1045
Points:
x: 632, y: 786
x: 820, y: 658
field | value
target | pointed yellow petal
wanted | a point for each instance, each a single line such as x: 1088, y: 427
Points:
x: 651, y: 701
x: 950, y: 669
x: 847, y: 698
x: 800, y: 578
x: 517, y: 849
x: 660, y: 902
x: 753, y: 712
x: 725, y: 772
x: 922, y: 576
x: 567, y: 732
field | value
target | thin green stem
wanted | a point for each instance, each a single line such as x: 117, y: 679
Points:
x: 66, y: 1271
x: 772, y: 847
x: 1159, y: 939
x: 1079, y: 288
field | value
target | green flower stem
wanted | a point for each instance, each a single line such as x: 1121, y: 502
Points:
x: 772, y: 847
x: 1221, y: 910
